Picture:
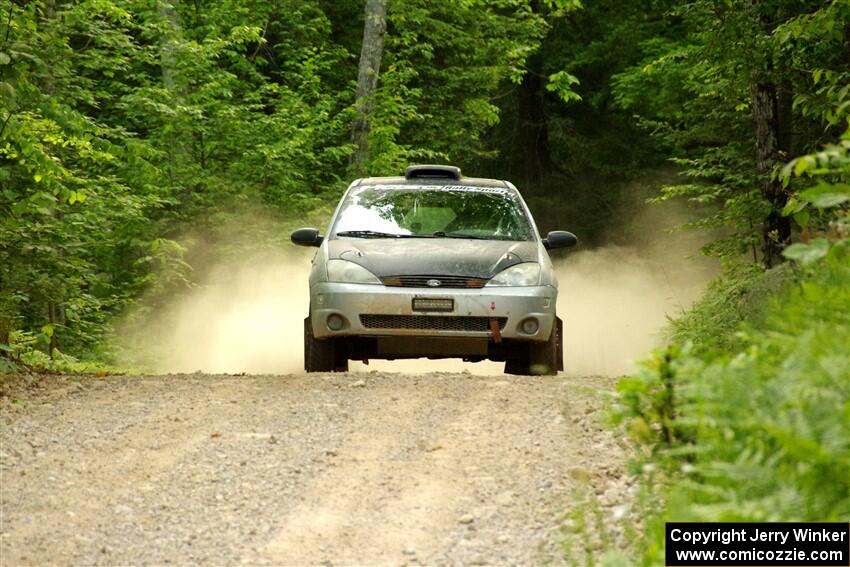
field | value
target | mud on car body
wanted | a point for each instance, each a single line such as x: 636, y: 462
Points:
x: 433, y: 264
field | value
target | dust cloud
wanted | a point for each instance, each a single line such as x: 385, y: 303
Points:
x: 247, y: 315
x: 615, y: 303
x: 616, y: 300
x: 244, y: 316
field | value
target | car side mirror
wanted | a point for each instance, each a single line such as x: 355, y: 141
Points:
x: 560, y: 239
x: 307, y: 237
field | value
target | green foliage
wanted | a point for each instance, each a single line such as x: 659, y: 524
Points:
x: 694, y: 87
x: 747, y: 411
x: 807, y: 254
x: 66, y: 188
x: 590, y: 139
x: 758, y: 431
x: 443, y: 65
x: 826, y: 205
x: 562, y: 83
x: 26, y: 349
x: 729, y: 300
x: 122, y: 120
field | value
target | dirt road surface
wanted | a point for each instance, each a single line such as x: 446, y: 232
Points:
x: 372, y: 468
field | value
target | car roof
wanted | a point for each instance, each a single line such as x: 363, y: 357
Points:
x: 438, y: 181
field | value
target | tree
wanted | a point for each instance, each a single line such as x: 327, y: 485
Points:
x: 374, y: 28
x: 732, y: 93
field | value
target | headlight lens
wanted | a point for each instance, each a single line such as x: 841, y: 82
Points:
x: 525, y: 274
x: 344, y: 271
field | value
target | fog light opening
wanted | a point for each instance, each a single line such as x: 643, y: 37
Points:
x: 335, y: 322
x: 529, y: 326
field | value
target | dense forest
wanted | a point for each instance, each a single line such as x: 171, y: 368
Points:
x: 123, y: 122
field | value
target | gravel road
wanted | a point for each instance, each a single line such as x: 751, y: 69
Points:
x: 367, y: 468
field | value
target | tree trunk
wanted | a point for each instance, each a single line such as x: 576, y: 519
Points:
x: 180, y: 150
x: 533, y: 122
x: 534, y: 127
x: 769, y: 134
x: 776, y: 229
x: 168, y: 57
x: 371, y: 52
x: 48, y: 85
x: 51, y: 318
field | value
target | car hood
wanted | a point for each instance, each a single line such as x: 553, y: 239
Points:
x: 433, y: 256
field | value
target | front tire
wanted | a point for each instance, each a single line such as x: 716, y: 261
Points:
x: 545, y: 359
x: 517, y: 366
x: 323, y: 355
x: 540, y: 359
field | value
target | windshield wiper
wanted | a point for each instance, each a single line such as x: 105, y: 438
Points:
x: 368, y: 234
x: 442, y: 234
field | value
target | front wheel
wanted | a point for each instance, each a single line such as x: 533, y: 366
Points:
x: 545, y: 359
x: 541, y: 359
x: 323, y: 355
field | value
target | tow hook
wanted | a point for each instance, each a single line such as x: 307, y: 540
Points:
x: 497, y: 333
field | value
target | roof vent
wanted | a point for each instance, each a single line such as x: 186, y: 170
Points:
x: 432, y: 171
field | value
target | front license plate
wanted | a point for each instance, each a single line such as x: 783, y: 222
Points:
x: 433, y: 304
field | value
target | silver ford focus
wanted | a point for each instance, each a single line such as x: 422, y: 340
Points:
x: 437, y: 265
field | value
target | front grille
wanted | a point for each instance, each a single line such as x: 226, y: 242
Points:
x: 430, y: 322
x: 445, y: 281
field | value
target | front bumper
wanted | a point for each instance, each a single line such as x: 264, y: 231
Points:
x: 512, y: 304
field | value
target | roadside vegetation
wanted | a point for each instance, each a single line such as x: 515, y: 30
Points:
x: 745, y: 414
x: 752, y: 425
x: 135, y: 133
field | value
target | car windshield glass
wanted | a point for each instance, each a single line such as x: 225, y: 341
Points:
x: 387, y: 211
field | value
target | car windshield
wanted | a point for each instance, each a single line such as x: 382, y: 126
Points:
x: 402, y: 211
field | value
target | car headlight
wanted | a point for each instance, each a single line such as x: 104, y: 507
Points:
x: 344, y: 271
x: 525, y: 274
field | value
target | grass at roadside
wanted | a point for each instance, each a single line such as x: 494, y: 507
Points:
x: 745, y: 416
